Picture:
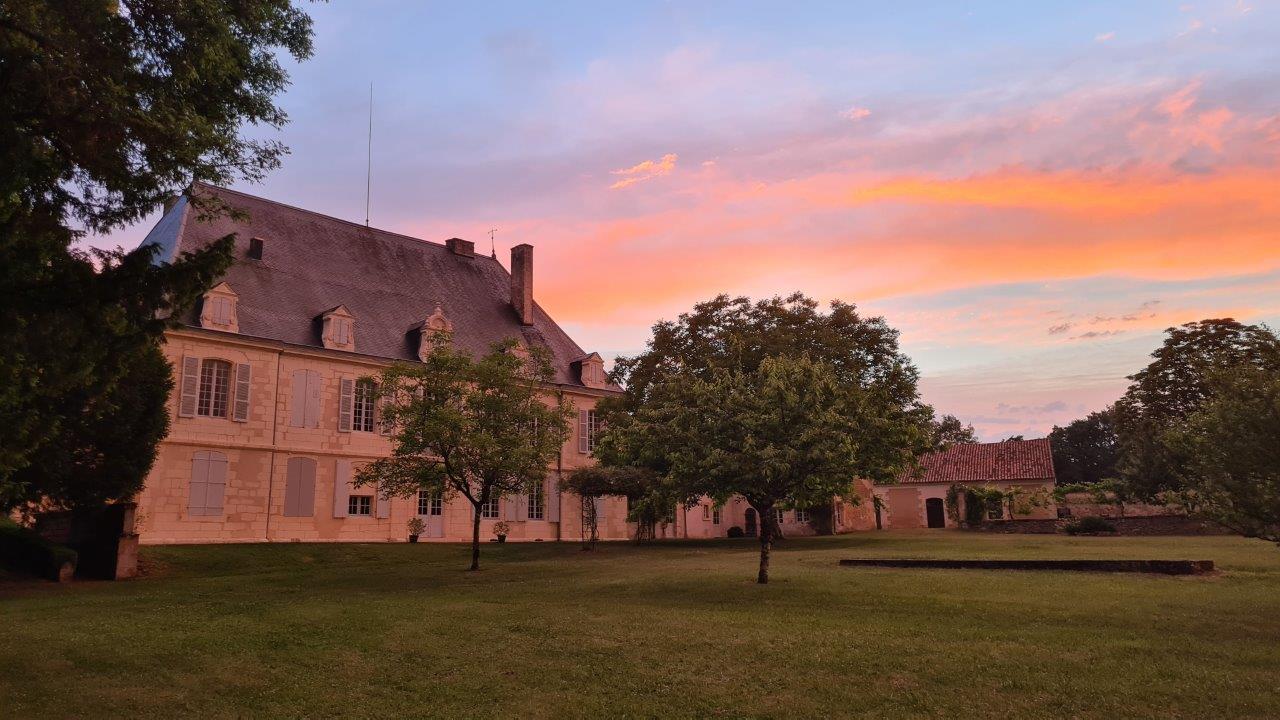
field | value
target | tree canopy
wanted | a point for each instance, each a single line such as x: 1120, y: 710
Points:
x: 1181, y: 378
x: 109, y: 108
x: 1085, y: 450
x: 948, y: 430
x: 480, y: 427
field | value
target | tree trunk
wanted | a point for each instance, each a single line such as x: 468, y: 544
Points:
x: 475, y: 537
x: 766, y: 544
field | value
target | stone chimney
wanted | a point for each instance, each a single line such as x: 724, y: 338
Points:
x: 522, y: 282
x: 465, y: 248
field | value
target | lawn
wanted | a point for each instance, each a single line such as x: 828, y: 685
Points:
x: 676, y: 630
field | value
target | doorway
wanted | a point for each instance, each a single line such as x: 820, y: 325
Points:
x: 935, y: 513
x: 750, y: 522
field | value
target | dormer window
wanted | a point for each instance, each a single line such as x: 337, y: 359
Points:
x: 218, y: 311
x: 436, y: 328
x: 591, y: 371
x: 338, y: 332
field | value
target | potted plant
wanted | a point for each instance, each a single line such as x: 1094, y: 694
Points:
x: 415, y: 528
x: 500, y: 529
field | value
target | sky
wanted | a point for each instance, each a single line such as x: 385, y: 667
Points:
x: 1030, y: 192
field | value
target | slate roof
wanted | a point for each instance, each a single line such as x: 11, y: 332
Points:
x: 389, y: 282
x: 985, y: 462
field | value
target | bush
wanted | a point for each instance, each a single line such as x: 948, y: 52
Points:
x: 24, y: 551
x: 736, y: 532
x: 1091, y: 525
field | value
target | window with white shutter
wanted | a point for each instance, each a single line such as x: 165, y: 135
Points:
x: 346, y: 402
x: 208, y: 483
x: 215, y: 388
x: 189, y: 387
x: 240, y: 404
x: 363, y: 403
x: 300, y: 487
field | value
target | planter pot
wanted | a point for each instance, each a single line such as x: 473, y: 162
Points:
x: 502, y: 538
x: 413, y: 538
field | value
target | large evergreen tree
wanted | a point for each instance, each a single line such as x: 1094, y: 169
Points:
x: 109, y: 108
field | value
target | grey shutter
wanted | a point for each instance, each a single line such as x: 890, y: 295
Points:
x: 298, y: 403
x: 551, y: 501
x: 190, y: 387
x: 341, y: 487
x: 292, y: 486
x: 240, y: 411
x: 217, y: 485
x: 582, y: 431
x: 346, y: 399
x: 313, y: 399
x: 307, y: 490
x: 522, y: 506
x: 507, y: 508
x: 600, y: 506
x: 384, y: 506
x: 199, y: 488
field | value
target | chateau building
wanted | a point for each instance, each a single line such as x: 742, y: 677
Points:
x: 274, y: 410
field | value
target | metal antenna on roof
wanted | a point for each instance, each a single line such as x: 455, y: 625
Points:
x: 493, y: 249
x: 368, y: 168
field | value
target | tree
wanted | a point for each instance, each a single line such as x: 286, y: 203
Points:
x: 948, y: 430
x: 1177, y: 383
x: 651, y: 498
x: 108, y: 109
x: 1086, y: 450
x: 1232, y: 443
x: 480, y: 428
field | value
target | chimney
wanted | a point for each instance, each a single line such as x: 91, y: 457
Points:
x: 522, y: 282
x: 461, y: 247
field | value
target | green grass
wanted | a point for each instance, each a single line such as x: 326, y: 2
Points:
x: 676, y: 630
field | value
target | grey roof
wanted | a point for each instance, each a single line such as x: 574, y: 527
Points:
x: 389, y: 282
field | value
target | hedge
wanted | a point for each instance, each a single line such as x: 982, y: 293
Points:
x: 24, y: 551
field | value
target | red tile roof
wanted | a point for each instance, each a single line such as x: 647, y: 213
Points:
x: 985, y: 462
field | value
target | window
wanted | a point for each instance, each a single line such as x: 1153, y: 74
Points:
x: 341, y: 331
x: 221, y: 310
x: 802, y: 516
x: 215, y: 381
x: 490, y: 509
x: 430, y: 503
x: 535, y: 504
x: 839, y: 513
x: 360, y: 505
x: 706, y: 512
x: 715, y: 515
x: 362, y: 412
x: 587, y: 427
x: 777, y: 516
x: 208, y: 483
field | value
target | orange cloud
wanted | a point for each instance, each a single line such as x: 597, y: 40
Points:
x: 646, y: 170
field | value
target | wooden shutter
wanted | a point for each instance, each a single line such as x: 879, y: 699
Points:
x: 199, y: 488
x: 600, y: 507
x: 582, y: 431
x: 551, y: 501
x: 507, y: 508
x: 313, y: 399
x: 298, y: 403
x: 307, y: 489
x: 341, y: 487
x: 383, y: 509
x: 240, y: 406
x: 190, y: 387
x: 522, y: 506
x: 217, y: 485
x: 346, y: 401
x: 292, y: 486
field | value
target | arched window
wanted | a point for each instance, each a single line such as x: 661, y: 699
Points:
x: 215, y: 383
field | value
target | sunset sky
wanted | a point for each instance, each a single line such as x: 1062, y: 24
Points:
x: 1030, y: 192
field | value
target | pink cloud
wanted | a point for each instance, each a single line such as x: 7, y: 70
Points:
x: 643, y: 171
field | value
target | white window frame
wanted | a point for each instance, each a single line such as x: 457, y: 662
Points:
x: 363, y: 406
x: 537, y: 506
x: 802, y: 516
x: 214, y: 389
x: 715, y: 515
x: 779, y: 515
x: 491, y: 509
x: 429, y: 503
x: 360, y: 506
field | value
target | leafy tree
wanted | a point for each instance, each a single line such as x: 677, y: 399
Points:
x: 948, y: 431
x: 109, y: 108
x: 1232, y: 443
x: 480, y: 428
x: 1177, y: 383
x: 651, y: 498
x: 1086, y: 450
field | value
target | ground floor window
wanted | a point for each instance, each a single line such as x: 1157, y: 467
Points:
x: 706, y: 512
x: 802, y: 516
x: 715, y: 515
x: 535, y: 504
x: 777, y: 516
x: 430, y: 503
x: 490, y: 509
x: 360, y: 505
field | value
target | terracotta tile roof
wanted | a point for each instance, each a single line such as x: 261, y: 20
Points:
x: 985, y: 462
x: 389, y: 282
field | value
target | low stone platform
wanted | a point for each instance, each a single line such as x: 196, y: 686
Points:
x: 1164, y: 567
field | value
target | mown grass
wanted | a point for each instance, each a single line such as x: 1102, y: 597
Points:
x: 674, y: 630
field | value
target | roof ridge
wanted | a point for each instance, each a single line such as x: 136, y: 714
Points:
x: 316, y: 213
